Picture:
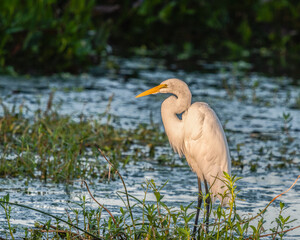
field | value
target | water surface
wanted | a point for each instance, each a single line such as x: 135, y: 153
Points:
x: 250, y: 107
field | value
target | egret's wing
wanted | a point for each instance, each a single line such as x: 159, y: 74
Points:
x: 205, y: 145
x: 193, y: 122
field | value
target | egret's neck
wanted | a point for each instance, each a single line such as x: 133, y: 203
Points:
x: 173, y: 125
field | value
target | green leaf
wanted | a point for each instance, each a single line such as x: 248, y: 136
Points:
x: 281, y: 204
x: 239, y: 228
x: 157, y: 196
x: 254, y: 229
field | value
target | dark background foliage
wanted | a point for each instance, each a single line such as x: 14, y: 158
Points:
x: 49, y: 36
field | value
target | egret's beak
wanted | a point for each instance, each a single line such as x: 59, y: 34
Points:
x: 152, y: 90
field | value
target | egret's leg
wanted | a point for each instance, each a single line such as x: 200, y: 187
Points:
x: 207, y: 200
x: 200, y: 197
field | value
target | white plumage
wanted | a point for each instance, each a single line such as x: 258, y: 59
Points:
x: 198, y: 135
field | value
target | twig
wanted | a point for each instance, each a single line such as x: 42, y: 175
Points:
x: 275, y: 233
x: 109, y: 169
x: 87, y: 187
x: 129, y: 208
x: 50, y: 231
x: 261, y: 212
x: 270, y: 234
x: 49, y: 103
x: 60, y: 230
x: 56, y: 230
x: 249, y: 220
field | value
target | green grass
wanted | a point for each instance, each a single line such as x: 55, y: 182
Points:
x: 52, y: 146
x: 144, y: 219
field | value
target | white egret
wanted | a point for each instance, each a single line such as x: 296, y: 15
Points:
x: 198, y: 135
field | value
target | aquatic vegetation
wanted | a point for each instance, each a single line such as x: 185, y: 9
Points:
x: 57, y: 148
x: 297, y: 102
x: 153, y: 219
x: 282, y: 154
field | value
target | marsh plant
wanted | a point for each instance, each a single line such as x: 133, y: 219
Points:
x: 54, y: 147
x: 151, y: 219
x: 51, y: 146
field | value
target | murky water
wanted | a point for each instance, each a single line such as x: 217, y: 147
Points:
x: 249, y: 105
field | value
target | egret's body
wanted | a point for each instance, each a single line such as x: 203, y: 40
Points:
x: 198, y: 135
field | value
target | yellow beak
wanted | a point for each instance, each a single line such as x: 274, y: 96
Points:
x: 152, y: 90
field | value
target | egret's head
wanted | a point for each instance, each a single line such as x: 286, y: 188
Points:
x: 168, y: 86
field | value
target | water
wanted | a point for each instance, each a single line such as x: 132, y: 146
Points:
x: 249, y: 105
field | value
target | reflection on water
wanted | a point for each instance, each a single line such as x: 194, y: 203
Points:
x: 250, y: 107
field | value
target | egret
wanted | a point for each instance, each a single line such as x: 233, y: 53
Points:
x: 199, y: 136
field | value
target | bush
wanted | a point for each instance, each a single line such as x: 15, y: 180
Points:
x: 53, y: 36
x: 46, y: 36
